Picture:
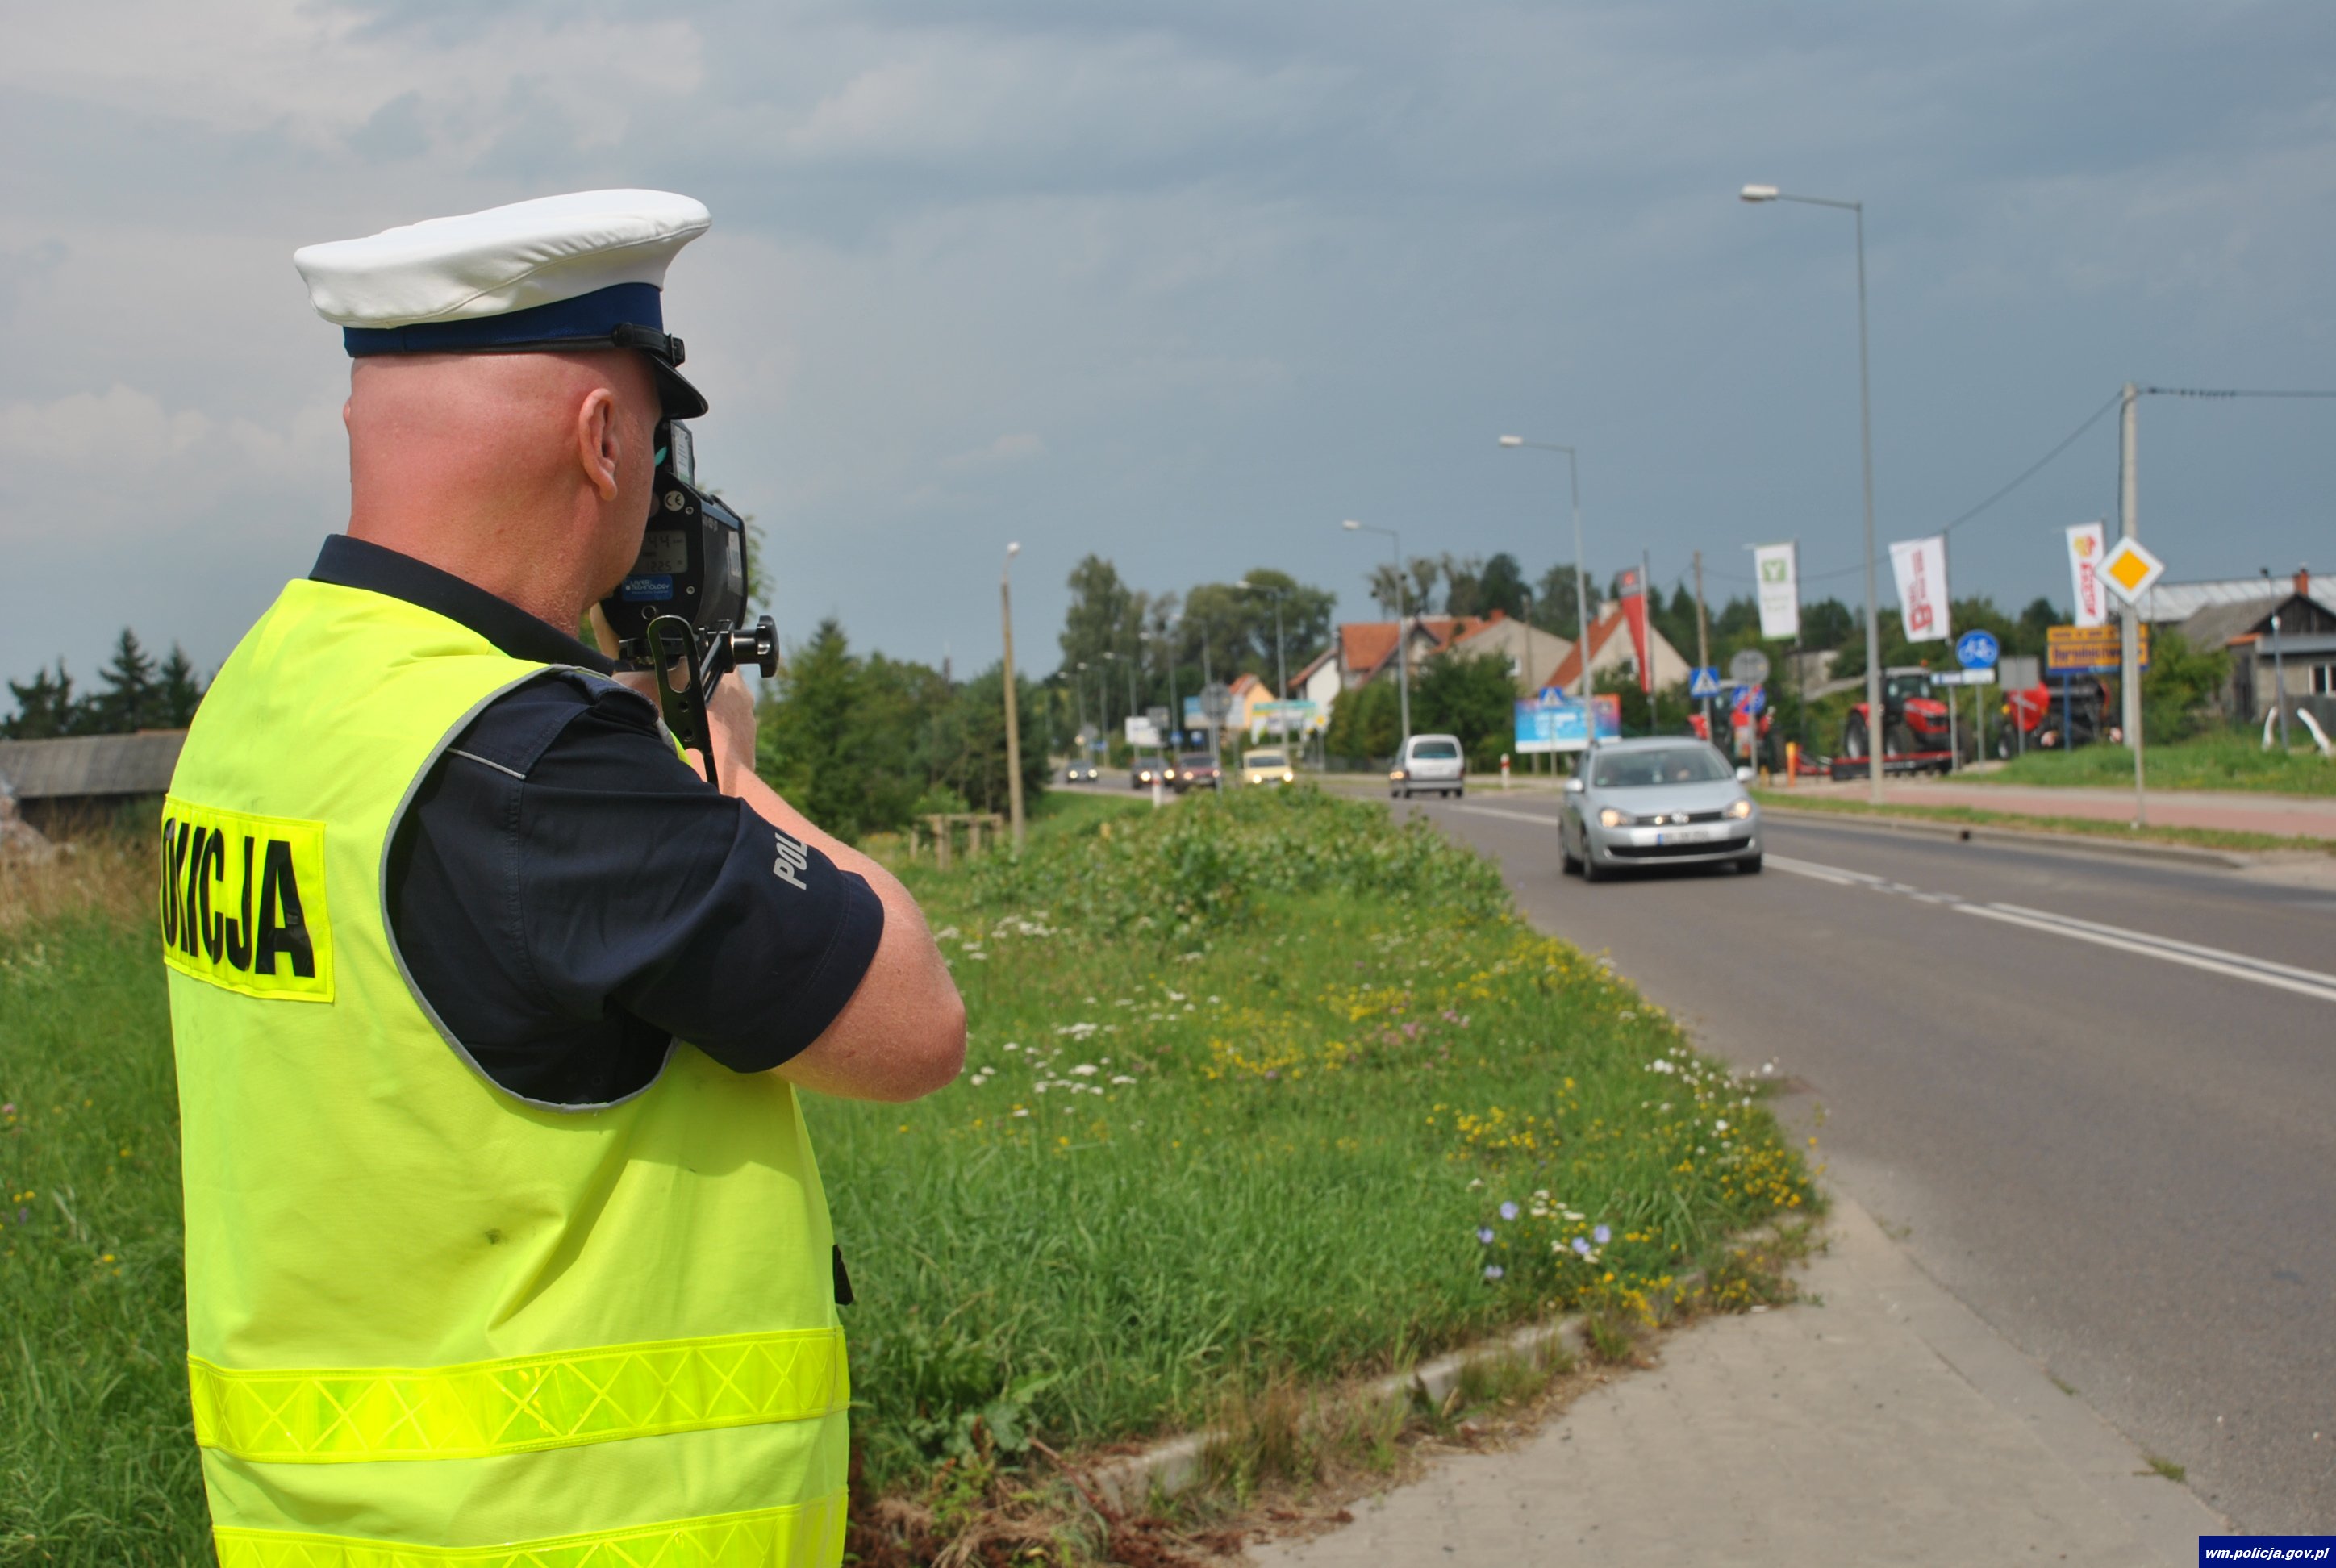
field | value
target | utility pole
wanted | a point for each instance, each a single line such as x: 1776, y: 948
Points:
x: 2128, y: 526
x: 1702, y: 638
x: 1013, y: 719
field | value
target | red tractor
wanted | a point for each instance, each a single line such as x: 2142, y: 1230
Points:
x: 1913, y: 725
x: 2048, y: 719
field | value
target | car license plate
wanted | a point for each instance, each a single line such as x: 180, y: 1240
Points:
x: 1689, y: 835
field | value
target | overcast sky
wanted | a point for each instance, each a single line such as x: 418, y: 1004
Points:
x: 1189, y: 287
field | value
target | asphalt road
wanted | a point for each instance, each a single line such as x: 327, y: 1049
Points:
x: 2115, y: 1140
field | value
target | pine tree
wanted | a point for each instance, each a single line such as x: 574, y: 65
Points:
x: 46, y: 707
x: 129, y: 701
x: 179, y: 691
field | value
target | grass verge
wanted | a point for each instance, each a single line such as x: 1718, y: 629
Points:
x: 2218, y: 762
x: 1266, y: 1096
x: 2020, y: 822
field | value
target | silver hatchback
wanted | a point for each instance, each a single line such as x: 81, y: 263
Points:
x: 1665, y: 801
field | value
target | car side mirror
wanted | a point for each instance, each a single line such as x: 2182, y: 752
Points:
x: 1576, y: 786
x: 1744, y: 775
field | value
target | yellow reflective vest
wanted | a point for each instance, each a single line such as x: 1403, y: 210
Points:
x: 429, y: 1322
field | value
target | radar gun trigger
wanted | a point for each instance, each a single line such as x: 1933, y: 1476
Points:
x: 679, y: 611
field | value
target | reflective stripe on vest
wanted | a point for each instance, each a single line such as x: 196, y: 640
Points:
x: 428, y: 1320
x: 803, y: 1536
x: 521, y: 1404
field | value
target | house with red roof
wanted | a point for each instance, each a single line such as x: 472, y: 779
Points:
x: 1611, y: 649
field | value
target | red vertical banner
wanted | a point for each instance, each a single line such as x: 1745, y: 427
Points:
x: 1633, y: 600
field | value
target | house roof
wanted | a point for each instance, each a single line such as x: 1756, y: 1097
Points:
x: 1602, y: 628
x: 1364, y: 646
x: 92, y: 765
x: 2180, y: 601
x: 1298, y: 681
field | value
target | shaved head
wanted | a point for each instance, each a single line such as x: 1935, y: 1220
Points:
x: 529, y: 474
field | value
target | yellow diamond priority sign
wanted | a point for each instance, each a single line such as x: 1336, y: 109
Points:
x: 2131, y: 571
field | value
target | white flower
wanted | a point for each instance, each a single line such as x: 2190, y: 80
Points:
x: 1085, y: 1069
x: 1012, y: 1046
x: 1719, y: 1126
x: 1121, y: 1078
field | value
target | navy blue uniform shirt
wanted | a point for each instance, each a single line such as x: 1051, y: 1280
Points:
x: 571, y: 899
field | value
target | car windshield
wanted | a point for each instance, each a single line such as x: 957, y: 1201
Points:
x: 1196, y: 759
x: 1434, y: 750
x: 1906, y: 686
x: 1662, y: 766
x: 1267, y: 759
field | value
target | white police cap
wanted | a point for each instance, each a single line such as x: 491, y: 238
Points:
x: 572, y: 272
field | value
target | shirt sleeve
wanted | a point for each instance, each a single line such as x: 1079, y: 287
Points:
x: 602, y: 898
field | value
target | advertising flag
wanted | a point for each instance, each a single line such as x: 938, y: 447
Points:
x: 1778, y: 566
x: 1633, y: 605
x: 1921, y: 566
x: 2088, y: 543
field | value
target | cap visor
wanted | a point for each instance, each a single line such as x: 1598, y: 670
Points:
x: 681, y: 400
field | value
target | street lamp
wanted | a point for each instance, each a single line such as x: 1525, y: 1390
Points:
x: 1402, y: 624
x: 1581, y: 579
x: 1013, y: 722
x: 1281, y: 665
x: 1874, y: 731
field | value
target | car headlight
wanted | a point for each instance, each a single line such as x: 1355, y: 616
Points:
x: 1287, y: 777
x: 1739, y: 808
x: 1611, y: 818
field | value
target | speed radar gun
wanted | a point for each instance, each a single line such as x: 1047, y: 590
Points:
x: 679, y: 612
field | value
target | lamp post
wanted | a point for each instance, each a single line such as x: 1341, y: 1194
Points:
x: 1874, y: 729
x: 1013, y: 719
x: 1402, y: 625
x: 1281, y: 665
x: 1580, y: 578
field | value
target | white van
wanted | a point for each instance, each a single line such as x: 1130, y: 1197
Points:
x: 1429, y: 763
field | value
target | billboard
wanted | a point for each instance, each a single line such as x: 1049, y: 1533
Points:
x: 1921, y: 566
x: 2088, y: 543
x: 1555, y: 722
x: 1778, y: 566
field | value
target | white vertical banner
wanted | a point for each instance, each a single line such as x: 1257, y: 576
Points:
x: 2088, y: 543
x: 1777, y: 568
x: 1921, y: 566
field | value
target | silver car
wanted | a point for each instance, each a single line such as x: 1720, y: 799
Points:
x: 1666, y: 801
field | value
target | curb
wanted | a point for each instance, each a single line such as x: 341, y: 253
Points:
x: 2031, y: 838
x: 1175, y: 1465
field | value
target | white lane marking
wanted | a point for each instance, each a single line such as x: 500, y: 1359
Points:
x: 1836, y: 875
x: 2216, y: 961
x: 1534, y: 817
x: 2150, y: 949
x: 2311, y: 977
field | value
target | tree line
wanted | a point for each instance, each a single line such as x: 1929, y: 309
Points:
x: 134, y: 692
x: 863, y: 743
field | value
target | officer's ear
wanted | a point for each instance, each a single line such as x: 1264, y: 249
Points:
x: 596, y: 446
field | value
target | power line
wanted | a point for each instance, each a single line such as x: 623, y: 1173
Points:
x: 2033, y: 468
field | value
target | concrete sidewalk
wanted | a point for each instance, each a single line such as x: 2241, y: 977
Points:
x: 1880, y: 1422
x: 2296, y: 816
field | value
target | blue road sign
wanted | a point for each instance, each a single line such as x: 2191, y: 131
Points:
x: 1704, y: 682
x: 1749, y: 700
x: 1976, y: 650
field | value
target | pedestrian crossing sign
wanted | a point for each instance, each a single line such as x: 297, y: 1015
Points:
x: 1704, y: 682
x: 2131, y: 571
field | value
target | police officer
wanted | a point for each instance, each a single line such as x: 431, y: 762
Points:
x: 505, y: 1244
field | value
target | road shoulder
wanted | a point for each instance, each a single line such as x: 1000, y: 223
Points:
x: 1879, y: 1421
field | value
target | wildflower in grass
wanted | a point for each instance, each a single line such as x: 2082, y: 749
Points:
x: 1508, y: 1211
x: 1719, y: 1126
x: 1602, y: 1236
x: 1493, y: 1271
x: 1484, y: 1234
x: 1581, y: 1246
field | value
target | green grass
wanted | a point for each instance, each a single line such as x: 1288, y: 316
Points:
x: 97, y: 1457
x: 2091, y: 827
x: 1324, y: 1053
x: 2218, y: 762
